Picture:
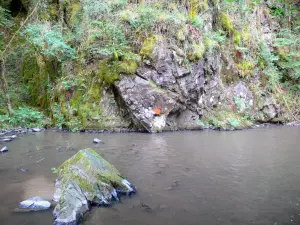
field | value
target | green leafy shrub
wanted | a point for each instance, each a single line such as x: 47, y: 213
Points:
x: 22, y: 117
x: 109, y: 40
x: 58, y: 117
x: 147, y: 19
x: 5, y: 18
x: 48, y: 41
x: 268, y: 60
x: 219, y: 36
x: 226, y: 22
x: 233, y: 122
x: 288, y: 42
x: 5, y: 22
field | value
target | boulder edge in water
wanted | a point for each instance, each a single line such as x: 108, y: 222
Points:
x: 83, y: 180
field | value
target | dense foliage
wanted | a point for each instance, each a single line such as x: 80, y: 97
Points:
x: 48, y: 52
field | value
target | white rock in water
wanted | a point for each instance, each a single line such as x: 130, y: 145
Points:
x: 127, y: 184
x: 6, y: 139
x: 35, y: 203
x: 97, y: 141
x: 36, y: 129
x: 4, y: 149
x: 9, y: 137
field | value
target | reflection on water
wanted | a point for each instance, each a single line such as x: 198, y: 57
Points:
x: 37, y: 186
x: 208, y: 177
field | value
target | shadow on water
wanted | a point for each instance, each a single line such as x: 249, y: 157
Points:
x: 208, y: 177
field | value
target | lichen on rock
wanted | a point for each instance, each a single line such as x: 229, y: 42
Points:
x: 86, y: 179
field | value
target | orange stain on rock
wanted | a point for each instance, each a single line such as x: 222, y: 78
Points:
x: 157, y: 111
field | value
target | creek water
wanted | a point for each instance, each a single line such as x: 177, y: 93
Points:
x: 199, y: 178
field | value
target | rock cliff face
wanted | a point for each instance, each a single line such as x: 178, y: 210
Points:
x: 208, y: 67
x: 164, y: 95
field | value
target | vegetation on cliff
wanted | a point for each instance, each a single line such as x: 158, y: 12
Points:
x: 61, y: 57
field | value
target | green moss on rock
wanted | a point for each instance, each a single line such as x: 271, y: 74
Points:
x: 237, y: 38
x: 83, y: 179
x: 196, y: 6
x: 90, y: 171
x: 180, y: 34
x: 148, y: 46
x: 37, y: 73
x: 128, y: 67
x: 246, y: 68
x: 227, y: 120
x: 108, y: 71
x: 196, y: 51
x: 226, y: 22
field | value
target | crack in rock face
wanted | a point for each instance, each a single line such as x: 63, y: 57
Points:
x: 177, y: 93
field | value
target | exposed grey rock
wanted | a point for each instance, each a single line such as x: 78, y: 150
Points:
x: 97, y: 141
x: 142, y: 99
x: 83, y: 179
x: 36, y: 130
x: 4, y: 149
x: 183, y: 120
x: 167, y: 96
x: 181, y: 72
x: 7, y: 139
x: 239, y: 97
x: 74, y: 206
x: 269, y: 111
x: 35, y: 203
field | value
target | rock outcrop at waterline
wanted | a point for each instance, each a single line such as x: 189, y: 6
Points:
x: 86, y: 179
x: 164, y: 95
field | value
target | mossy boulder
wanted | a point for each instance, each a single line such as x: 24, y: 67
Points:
x: 86, y: 179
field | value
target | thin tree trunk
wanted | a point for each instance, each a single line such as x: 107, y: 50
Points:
x: 5, y: 86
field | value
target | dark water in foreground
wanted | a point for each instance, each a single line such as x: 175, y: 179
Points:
x: 205, y: 178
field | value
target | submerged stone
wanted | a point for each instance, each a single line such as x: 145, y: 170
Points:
x: 35, y: 203
x: 86, y: 179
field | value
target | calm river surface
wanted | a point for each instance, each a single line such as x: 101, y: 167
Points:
x: 183, y: 178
